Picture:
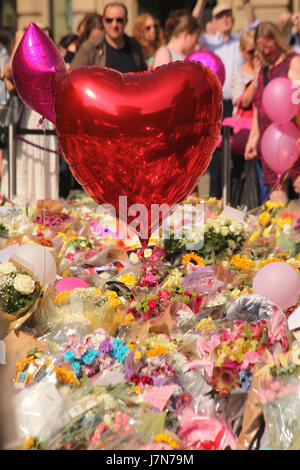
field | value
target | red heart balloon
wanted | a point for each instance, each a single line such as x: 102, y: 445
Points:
x: 145, y: 136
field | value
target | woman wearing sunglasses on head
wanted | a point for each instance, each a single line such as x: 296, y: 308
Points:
x: 244, y: 80
x: 149, y: 33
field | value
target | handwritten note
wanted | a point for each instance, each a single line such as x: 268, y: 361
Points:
x: 159, y: 396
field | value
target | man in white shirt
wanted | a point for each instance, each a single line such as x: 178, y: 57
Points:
x: 227, y: 46
x: 224, y: 43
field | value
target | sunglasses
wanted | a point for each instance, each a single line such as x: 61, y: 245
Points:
x: 251, y: 52
x: 155, y: 26
x: 118, y: 20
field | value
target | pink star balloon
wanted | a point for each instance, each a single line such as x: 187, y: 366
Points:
x: 38, y: 68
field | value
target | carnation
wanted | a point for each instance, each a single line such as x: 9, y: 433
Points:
x: 24, y: 284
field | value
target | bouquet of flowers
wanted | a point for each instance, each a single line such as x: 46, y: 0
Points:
x: 278, y: 395
x: 222, y: 236
x: 19, y: 291
x: 229, y: 356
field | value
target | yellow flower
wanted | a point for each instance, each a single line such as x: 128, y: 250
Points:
x: 67, y: 273
x: 222, y: 352
x: 131, y: 346
x: 284, y: 221
x: 128, y: 319
x: 113, y: 298
x: 137, y: 389
x: 253, y: 236
x: 242, y: 262
x: 128, y: 279
x: 273, y: 260
x: 62, y: 297
x: 206, y: 325
x: 161, y: 437
x: 173, y: 278
x: 235, y: 293
x: 67, y: 236
x: 298, y: 257
x: 270, y: 205
x: 157, y: 351
x: 137, y: 356
x: 192, y: 258
x: 28, y: 443
x: 212, y: 200
x: 97, y: 292
x: 263, y: 218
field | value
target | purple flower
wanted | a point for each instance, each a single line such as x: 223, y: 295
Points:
x: 106, y: 347
x: 130, y: 366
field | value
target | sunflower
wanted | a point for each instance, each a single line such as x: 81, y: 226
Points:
x: 192, y: 258
x: 225, y: 378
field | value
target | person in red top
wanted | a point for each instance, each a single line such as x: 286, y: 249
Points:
x: 278, y: 60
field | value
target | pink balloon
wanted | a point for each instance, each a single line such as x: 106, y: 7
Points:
x: 280, y: 146
x: 210, y: 60
x: 38, y: 68
x: 70, y: 283
x: 278, y: 100
x: 278, y: 282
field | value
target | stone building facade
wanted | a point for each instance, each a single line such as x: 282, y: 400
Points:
x: 64, y: 15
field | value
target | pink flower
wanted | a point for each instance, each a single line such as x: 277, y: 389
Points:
x: 202, y: 432
x: 79, y: 349
x: 91, y: 370
x: 238, y: 329
x: 98, y: 432
x: 73, y: 339
x: 88, y: 341
x: 276, y: 331
x: 205, y: 348
x: 225, y: 335
x: 250, y: 358
x: 205, y: 364
x: 156, y: 256
x: 152, y: 304
x: 149, y: 280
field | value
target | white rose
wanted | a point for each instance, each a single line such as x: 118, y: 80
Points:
x: 24, y: 284
x: 224, y: 231
x: 147, y: 253
x: 133, y: 258
x: 7, y: 268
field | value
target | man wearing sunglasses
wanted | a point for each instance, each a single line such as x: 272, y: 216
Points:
x: 112, y: 48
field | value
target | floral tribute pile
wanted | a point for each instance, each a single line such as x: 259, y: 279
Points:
x: 161, y: 349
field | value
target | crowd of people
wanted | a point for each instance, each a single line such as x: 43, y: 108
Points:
x: 253, y: 57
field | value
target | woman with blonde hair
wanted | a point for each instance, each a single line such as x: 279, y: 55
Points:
x: 244, y: 80
x: 278, y: 60
x: 243, y: 85
x: 182, y: 31
x: 148, y: 32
